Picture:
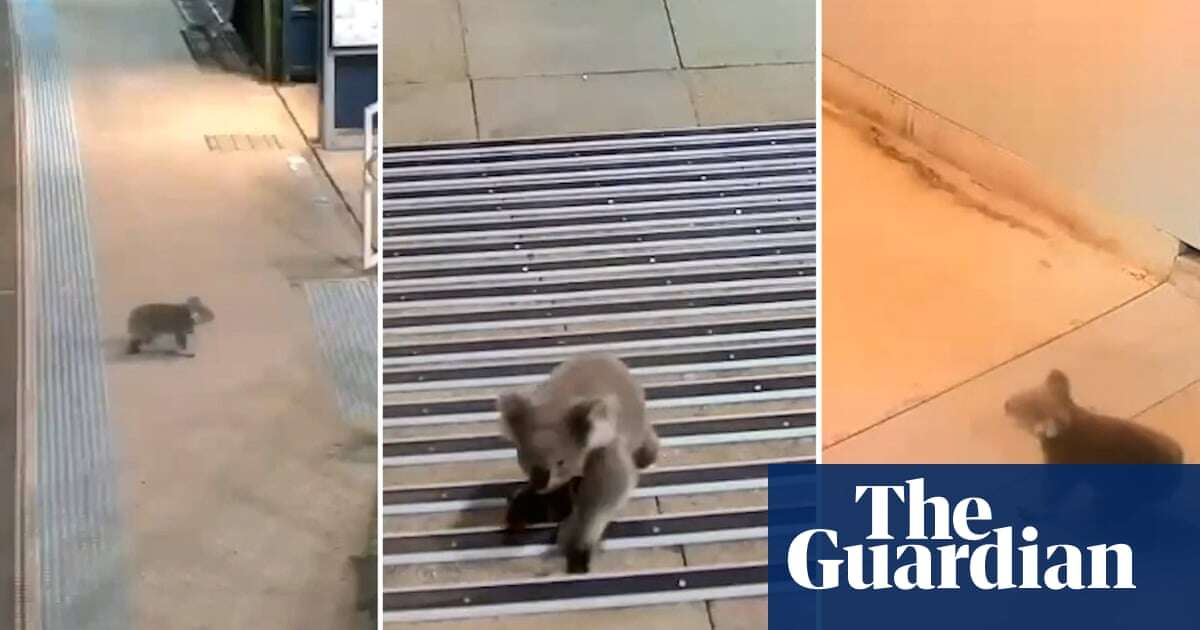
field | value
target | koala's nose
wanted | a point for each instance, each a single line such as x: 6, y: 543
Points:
x: 539, y: 477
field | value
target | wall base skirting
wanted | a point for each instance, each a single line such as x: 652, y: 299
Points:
x: 998, y: 170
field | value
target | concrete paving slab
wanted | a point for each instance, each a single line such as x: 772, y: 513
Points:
x: 748, y: 613
x: 344, y: 168
x: 753, y: 94
x: 739, y: 499
x: 495, y: 470
x: 1138, y: 359
x: 423, y: 42
x: 545, y: 37
x: 966, y: 285
x: 726, y: 552
x: 303, y: 101
x: 691, y: 615
x: 552, y: 564
x: 427, y: 112
x: 723, y: 33
x: 1179, y: 417
x: 749, y: 451
x: 539, y: 106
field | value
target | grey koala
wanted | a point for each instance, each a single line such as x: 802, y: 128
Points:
x: 149, y: 321
x: 587, y: 420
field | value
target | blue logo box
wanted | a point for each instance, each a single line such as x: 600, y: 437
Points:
x: 983, y: 546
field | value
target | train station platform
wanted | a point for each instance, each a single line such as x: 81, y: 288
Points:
x: 228, y: 490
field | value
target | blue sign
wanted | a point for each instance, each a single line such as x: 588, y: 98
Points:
x: 983, y: 546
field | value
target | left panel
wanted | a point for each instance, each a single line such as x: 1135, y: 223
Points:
x: 189, y: 337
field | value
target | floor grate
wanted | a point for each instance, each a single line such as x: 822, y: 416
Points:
x: 691, y: 254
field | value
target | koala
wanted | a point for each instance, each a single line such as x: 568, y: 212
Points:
x: 527, y: 506
x: 1070, y: 434
x: 586, y: 420
x: 148, y: 321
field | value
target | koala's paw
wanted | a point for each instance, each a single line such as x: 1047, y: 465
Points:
x: 579, y: 561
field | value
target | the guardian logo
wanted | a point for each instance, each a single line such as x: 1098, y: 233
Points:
x: 987, y: 565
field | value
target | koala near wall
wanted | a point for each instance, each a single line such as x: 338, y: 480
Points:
x: 1071, y: 434
x: 587, y: 420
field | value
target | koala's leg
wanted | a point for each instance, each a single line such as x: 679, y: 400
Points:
x: 647, y: 452
x: 135, y: 345
x: 609, y: 477
x: 181, y: 342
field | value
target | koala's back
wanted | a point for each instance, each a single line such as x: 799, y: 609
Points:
x: 157, y: 319
x: 1096, y: 439
x: 595, y: 375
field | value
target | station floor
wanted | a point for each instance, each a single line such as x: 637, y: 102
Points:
x: 240, y: 503
x: 467, y: 69
x: 935, y: 311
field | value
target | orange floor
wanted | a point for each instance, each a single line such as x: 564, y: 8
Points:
x: 936, y: 309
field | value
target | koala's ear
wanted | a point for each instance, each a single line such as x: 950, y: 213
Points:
x: 1059, y: 386
x: 592, y: 423
x: 515, y: 411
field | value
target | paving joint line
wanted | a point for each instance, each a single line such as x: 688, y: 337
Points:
x: 994, y: 368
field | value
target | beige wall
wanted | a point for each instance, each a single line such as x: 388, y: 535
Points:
x: 1102, y: 98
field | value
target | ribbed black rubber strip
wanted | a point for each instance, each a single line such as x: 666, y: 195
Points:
x: 566, y: 341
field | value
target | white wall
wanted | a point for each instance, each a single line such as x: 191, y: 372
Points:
x: 1101, y: 97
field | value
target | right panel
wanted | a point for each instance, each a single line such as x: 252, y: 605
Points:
x: 1006, y: 189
